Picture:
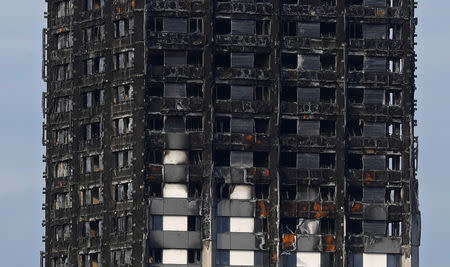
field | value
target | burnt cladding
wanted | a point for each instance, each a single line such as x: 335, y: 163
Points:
x: 230, y: 133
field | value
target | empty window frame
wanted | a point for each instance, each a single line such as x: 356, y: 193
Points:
x: 92, y: 228
x: 94, y: 65
x: 94, y: 33
x: 355, y: 63
x: 64, y: 8
x: 155, y: 123
x: 92, y: 163
x: 395, y: 31
x: 64, y: 40
x: 123, y: 159
x: 222, y: 158
x: 64, y: 72
x: 396, y: 65
x: 94, y: 98
x: 355, y: 95
x: 154, y: 156
x: 62, y: 201
x: 222, y: 60
x: 222, y: 125
x: 121, y: 257
x: 327, y: 29
x: 174, y: 124
x: 327, y: 193
x: 262, y: 27
x: 94, y: 4
x: 394, y: 129
x: 307, y: 193
x: 288, y: 126
x: 242, y: 27
x: 156, y: 89
x: 177, y: 58
x: 194, y: 256
x: 155, y: 255
x: 393, y: 97
x: 123, y: 93
x: 241, y: 92
x: 62, y: 136
x: 394, y: 162
x: 327, y: 160
x: 156, y: 24
x: 355, y: 31
x: 289, y: 28
x: 91, y: 131
x: 91, y: 196
x: 63, y: 232
x: 195, y: 189
x: 62, y: 168
x: 328, y: 62
x: 314, y: 62
x: 178, y: 25
x: 374, y: 129
x: 63, y: 104
x: 289, y: 60
x: 261, y: 159
x: 123, y: 224
x: 374, y: 96
x: 194, y: 123
x: 123, y: 125
x: 123, y: 192
x: 123, y: 60
x: 222, y: 26
x: 394, y: 228
x: 375, y: 64
x: 354, y: 161
x: 393, y: 195
x: 223, y: 91
x: 194, y: 89
x: 288, y: 159
x: 174, y: 90
x: 123, y: 27
x: 262, y: 191
x: 195, y: 25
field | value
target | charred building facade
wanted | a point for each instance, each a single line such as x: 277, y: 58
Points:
x: 230, y: 133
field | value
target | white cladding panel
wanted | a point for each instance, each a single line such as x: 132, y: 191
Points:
x: 175, y: 191
x: 241, y: 257
x: 174, y: 256
x: 308, y: 259
x: 242, y: 225
x: 175, y: 223
x: 175, y: 157
x: 374, y: 260
x: 241, y: 192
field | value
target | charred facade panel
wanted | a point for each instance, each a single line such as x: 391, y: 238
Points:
x: 230, y: 133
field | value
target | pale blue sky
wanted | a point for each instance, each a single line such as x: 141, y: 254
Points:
x: 20, y: 136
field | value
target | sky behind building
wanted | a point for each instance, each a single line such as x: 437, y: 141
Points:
x: 21, y: 164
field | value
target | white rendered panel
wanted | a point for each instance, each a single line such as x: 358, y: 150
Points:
x: 174, y: 256
x: 308, y: 259
x: 175, y: 191
x: 241, y: 257
x: 374, y: 260
x: 175, y: 223
x: 242, y: 225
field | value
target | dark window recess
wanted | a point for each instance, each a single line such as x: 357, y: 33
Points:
x: 222, y: 257
x: 194, y: 90
x: 222, y: 125
x: 393, y: 195
x: 195, y: 25
x: 93, y: 98
x: 288, y: 192
x: 155, y: 223
x: 261, y: 226
x: 174, y: 124
x: 261, y: 60
x: 327, y: 95
x: 261, y: 126
x: 327, y: 226
x: 355, y: 193
x: 194, y: 123
x: 355, y: 63
x: 154, y: 156
x: 328, y: 2
x: 262, y: 27
x: 354, y: 161
x: 355, y: 127
x: 156, y: 24
x: 288, y: 159
x: 262, y: 191
x: 288, y: 126
x: 393, y: 98
x: 195, y: 157
x: 222, y: 158
x: 195, y: 58
x: 327, y: 160
x: 355, y: 2
x: 91, y: 131
x: 223, y: 192
x: 261, y: 159
x: 327, y: 128
x: 194, y: 256
x: 289, y: 2
x: 394, y: 162
x: 155, y: 255
x: 289, y: 93
x: 156, y: 58
x: 354, y: 227
x: 288, y: 225
x: 394, y: 129
x: 355, y: 95
x: 223, y: 60
x: 355, y: 31
x: 394, y: 228
x: 155, y: 123
x: 261, y: 93
x: 154, y: 190
x: 327, y: 29
x: 223, y: 224
x: 328, y: 62
x: 327, y: 193
x: 289, y: 60
x: 289, y: 28
x: 223, y: 26
x: 156, y: 89
x: 193, y: 223
x: 223, y: 91
x: 194, y: 190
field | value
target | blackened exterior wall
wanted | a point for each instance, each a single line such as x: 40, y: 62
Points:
x: 230, y: 133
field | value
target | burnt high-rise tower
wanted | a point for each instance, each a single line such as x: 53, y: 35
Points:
x: 230, y: 133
